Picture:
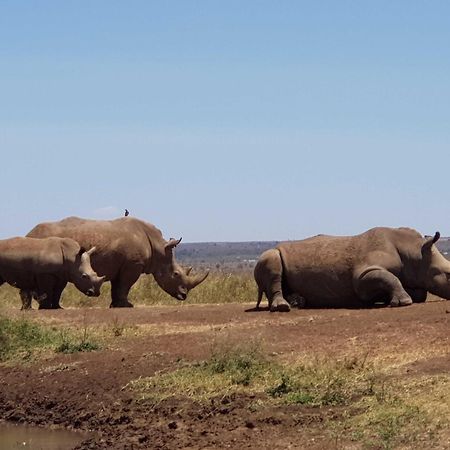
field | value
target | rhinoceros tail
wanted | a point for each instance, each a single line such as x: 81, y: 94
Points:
x: 260, y: 296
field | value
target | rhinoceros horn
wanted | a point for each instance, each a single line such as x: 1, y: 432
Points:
x: 430, y: 240
x: 197, y: 279
x: 88, y: 252
x: 91, y: 251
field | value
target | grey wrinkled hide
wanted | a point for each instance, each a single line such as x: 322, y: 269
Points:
x: 39, y: 266
x: 125, y: 249
x: 395, y: 266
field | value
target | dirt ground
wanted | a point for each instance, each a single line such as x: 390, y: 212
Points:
x: 88, y: 391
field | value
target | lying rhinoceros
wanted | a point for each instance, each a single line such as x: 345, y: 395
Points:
x: 37, y: 266
x: 126, y: 248
x: 389, y: 265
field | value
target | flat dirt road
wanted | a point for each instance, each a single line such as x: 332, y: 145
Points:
x: 89, y: 391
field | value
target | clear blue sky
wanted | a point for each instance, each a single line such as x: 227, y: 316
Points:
x: 226, y: 120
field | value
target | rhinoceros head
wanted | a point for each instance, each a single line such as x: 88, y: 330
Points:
x: 437, y: 268
x: 83, y: 275
x: 173, y: 278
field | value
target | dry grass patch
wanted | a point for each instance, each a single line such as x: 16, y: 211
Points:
x: 217, y: 288
x: 411, y: 413
x: 246, y: 368
x: 322, y: 381
x: 241, y: 368
x: 394, y: 362
x: 377, y: 408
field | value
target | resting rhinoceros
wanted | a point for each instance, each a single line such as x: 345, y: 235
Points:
x: 40, y: 265
x: 390, y: 265
x: 126, y: 248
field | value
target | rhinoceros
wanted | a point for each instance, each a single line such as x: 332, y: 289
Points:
x: 38, y: 266
x: 126, y: 248
x: 396, y: 266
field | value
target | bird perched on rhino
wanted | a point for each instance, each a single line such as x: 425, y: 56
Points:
x: 127, y: 213
x: 126, y: 248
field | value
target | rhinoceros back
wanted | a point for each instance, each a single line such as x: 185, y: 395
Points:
x: 320, y: 269
x: 118, y: 242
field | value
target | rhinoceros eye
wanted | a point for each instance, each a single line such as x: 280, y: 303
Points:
x: 176, y: 274
x: 84, y: 275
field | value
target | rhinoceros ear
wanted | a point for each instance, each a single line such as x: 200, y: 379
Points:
x: 172, y: 243
x: 430, y: 240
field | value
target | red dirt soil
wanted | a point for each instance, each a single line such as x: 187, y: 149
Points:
x: 90, y: 394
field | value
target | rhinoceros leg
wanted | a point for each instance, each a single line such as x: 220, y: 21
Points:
x: 417, y: 295
x: 45, y: 300
x: 56, y: 294
x: 375, y: 284
x: 44, y: 291
x: 47, y: 295
x: 268, y: 276
x: 26, y: 297
x: 278, y: 303
x: 121, y: 285
x: 119, y: 295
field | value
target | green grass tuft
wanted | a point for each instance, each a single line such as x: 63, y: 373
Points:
x: 21, y: 339
x: 74, y: 347
x: 324, y: 381
x: 229, y: 369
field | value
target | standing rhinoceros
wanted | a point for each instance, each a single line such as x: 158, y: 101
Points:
x: 126, y: 248
x: 38, y: 266
x: 391, y: 265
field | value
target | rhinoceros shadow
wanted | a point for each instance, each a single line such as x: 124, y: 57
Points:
x: 260, y: 309
x: 376, y: 305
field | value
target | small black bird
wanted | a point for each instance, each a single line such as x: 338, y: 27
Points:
x: 126, y: 212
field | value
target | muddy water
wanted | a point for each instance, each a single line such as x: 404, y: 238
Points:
x: 33, y: 438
